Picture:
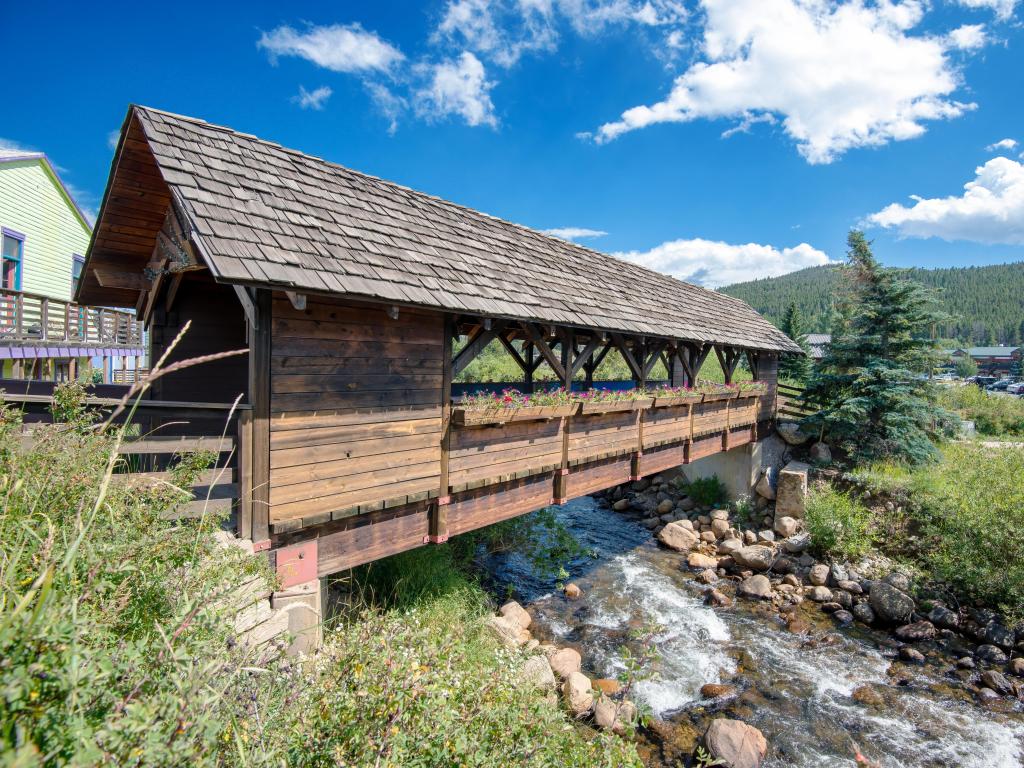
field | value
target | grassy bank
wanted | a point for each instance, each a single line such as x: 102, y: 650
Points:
x: 959, y: 521
x: 995, y: 416
x: 116, y: 647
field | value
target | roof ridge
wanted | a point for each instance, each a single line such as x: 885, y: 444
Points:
x: 443, y: 201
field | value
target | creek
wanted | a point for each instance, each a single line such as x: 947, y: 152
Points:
x: 797, y: 688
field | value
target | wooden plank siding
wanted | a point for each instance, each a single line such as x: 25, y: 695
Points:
x: 355, y: 410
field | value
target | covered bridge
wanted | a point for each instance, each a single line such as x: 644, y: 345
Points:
x: 351, y: 295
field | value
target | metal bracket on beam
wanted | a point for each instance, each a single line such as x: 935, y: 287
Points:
x: 297, y: 563
x: 298, y: 300
x: 392, y: 312
x: 261, y: 546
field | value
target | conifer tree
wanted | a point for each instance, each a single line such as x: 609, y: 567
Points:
x: 795, y: 367
x: 872, y: 388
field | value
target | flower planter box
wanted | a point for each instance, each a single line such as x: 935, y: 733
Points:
x: 474, y: 417
x: 615, y: 406
x: 668, y: 401
x: 711, y: 397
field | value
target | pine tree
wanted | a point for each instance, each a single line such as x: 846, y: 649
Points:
x: 873, y: 400
x: 795, y: 367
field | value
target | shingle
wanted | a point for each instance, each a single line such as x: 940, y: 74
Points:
x: 292, y: 220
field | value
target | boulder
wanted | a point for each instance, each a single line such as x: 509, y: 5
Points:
x: 650, y: 523
x: 701, y: 561
x: 686, y: 504
x: 756, y: 586
x: 843, y: 618
x: 991, y: 653
x: 728, y: 546
x: 790, y: 432
x: 820, y: 594
x: 720, y: 528
x: 997, y: 634
x: 850, y: 586
x: 536, y: 673
x: 613, y: 716
x: 797, y: 544
x: 717, y: 690
x: 786, y: 526
x: 941, y: 616
x: 687, y: 524
x: 516, y: 612
x: 821, y: 454
x: 755, y: 557
x: 718, y: 598
x: 735, y: 744
x: 899, y: 580
x: 508, y: 631
x: 911, y: 655
x: 707, y: 576
x: 675, y: 536
x: 719, y: 514
x: 997, y: 682
x: 1016, y: 667
x: 845, y: 599
x: 576, y: 691
x: 621, y: 505
x: 891, y: 604
x: 837, y: 573
x: 791, y: 493
x: 916, y: 632
x: 607, y: 686
x: 749, y: 537
x: 665, y: 506
x: 766, y: 484
x: 565, y: 662
x: 766, y: 536
x: 818, y: 575
x: 572, y: 591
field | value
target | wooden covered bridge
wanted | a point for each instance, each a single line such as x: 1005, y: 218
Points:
x: 351, y: 296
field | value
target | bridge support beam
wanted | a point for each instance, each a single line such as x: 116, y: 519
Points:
x: 305, y: 604
x: 739, y: 469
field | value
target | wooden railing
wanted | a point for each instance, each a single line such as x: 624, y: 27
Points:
x: 30, y: 317
x: 793, y: 403
x: 128, y: 375
x: 165, y: 429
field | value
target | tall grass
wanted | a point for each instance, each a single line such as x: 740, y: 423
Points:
x: 839, y: 524
x: 993, y: 415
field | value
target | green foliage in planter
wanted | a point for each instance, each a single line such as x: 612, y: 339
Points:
x: 839, y: 524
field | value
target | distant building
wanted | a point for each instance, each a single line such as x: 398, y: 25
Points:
x: 43, y: 334
x: 818, y: 343
x: 990, y: 360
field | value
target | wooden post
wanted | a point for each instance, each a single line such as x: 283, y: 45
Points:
x: 568, y: 353
x: 438, y: 532
x: 44, y: 319
x: 19, y: 316
x: 244, y: 448
x: 105, y: 378
x: 259, y: 398
x: 528, y: 354
x: 67, y: 322
x: 18, y: 368
x: 676, y: 372
x: 73, y: 369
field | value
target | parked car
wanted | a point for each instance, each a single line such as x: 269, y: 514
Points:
x: 984, y: 381
x: 999, y: 386
x: 1017, y: 388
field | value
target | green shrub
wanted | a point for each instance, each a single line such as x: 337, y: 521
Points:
x: 839, y: 525
x: 707, y: 491
x: 993, y: 415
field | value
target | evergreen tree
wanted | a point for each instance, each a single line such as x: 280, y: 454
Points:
x: 795, y: 367
x: 873, y: 400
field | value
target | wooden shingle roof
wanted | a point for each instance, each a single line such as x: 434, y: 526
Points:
x: 266, y: 215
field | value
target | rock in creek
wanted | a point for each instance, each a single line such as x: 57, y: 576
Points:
x: 1016, y: 667
x: 508, y: 631
x: 613, y: 716
x: 675, y: 536
x: 735, y: 743
x: 565, y: 662
x: 701, y: 561
x: 821, y: 594
x: 941, y: 616
x: 716, y: 690
x: 728, y: 546
x: 996, y: 634
x: 863, y: 613
x: 621, y: 505
x: 843, y: 618
x: 786, y: 526
x: 797, y: 544
x: 818, y: 575
x: 755, y: 557
x: 911, y: 655
x: 891, y: 604
x: 516, y: 612
x: 916, y: 632
x: 572, y: 591
x: 579, y: 697
x: 990, y: 653
x: 997, y: 682
x: 756, y: 586
x: 716, y: 597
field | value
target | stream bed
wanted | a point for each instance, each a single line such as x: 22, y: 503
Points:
x: 798, y: 689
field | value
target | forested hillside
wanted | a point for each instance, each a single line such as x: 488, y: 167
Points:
x: 986, y: 304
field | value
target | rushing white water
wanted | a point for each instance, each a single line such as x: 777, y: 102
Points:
x: 798, y: 693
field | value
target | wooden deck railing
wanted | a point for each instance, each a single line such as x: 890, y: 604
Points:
x: 165, y: 429
x: 128, y: 375
x: 793, y: 403
x: 30, y: 318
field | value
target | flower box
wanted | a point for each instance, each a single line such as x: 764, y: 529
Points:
x: 667, y: 401
x: 710, y: 397
x: 463, y: 416
x: 753, y: 391
x: 614, y: 406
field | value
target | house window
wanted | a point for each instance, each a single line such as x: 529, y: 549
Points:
x: 77, y: 264
x: 13, y: 246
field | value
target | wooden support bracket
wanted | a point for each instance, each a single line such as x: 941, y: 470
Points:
x: 298, y: 300
x: 627, y: 355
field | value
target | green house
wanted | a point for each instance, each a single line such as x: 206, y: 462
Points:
x: 43, y: 333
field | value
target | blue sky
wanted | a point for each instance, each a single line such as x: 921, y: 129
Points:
x: 718, y: 140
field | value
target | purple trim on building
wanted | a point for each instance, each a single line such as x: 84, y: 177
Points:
x: 13, y: 233
x: 25, y: 156
x: 29, y: 353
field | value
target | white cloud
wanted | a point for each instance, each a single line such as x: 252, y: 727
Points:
x: 500, y: 30
x: 112, y: 138
x: 1007, y: 144
x: 337, y: 47
x: 314, y: 99
x: 991, y: 209
x: 457, y: 87
x: 838, y: 75
x: 390, y: 104
x: 713, y: 263
x: 968, y: 37
x: 10, y: 145
x: 574, y: 233
x: 1003, y: 8
x: 591, y: 17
